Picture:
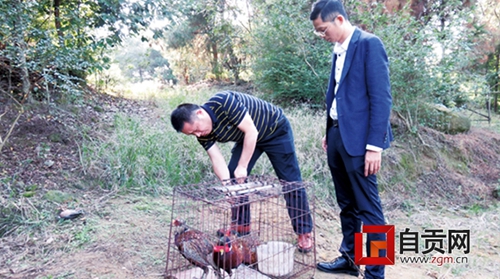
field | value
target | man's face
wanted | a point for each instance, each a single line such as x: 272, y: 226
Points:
x: 201, y: 125
x: 330, y: 31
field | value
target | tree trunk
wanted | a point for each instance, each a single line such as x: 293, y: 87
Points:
x: 57, y: 20
x: 234, y: 65
x: 497, y: 81
x: 21, y: 47
x: 215, y: 60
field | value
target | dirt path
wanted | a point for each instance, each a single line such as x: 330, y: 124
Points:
x: 128, y: 237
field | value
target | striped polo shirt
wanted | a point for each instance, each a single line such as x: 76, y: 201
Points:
x: 227, y: 109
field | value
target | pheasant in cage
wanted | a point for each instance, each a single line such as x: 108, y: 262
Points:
x: 227, y: 255
x: 231, y: 251
x: 195, y: 247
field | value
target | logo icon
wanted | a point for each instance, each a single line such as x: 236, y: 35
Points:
x: 375, y: 246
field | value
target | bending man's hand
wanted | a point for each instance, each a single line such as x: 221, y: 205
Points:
x: 240, y: 173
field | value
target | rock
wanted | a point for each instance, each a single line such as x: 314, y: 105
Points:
x: 496, y: 193
x: 448, y: 121
x: 69, y: 214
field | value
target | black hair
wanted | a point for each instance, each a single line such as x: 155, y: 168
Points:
x: 328, y: 10
x: 182, y: 114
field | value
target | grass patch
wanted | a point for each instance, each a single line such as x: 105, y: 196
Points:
x: 150, y: 157
x: 129, y: 171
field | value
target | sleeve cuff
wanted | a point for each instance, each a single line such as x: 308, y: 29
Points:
x: 374, y: 148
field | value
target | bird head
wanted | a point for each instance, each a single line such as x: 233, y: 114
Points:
x: 223, y: 245
x: 177, y: 222
x: 179, y: 225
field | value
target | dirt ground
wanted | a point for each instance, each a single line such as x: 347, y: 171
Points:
x: 125, y: 236
x: 129, y: 235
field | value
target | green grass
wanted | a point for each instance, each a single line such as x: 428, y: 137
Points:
x: 150, y: 157
x: 147, y: 156
x: 147, y: 159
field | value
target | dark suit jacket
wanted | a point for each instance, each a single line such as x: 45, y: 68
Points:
x: 364, y: 95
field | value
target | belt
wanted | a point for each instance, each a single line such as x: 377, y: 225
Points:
x: 335, y: 122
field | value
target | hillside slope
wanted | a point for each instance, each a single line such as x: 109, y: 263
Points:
x: 125, y: 235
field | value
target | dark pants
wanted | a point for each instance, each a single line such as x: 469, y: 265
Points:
x: 357, y: 197
x: 280, y: 149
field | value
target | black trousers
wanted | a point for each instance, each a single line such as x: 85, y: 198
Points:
x: 280, y: 150
x: 357, y: 197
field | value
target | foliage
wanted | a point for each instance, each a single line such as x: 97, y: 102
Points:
x: 61, y: 42
x: 139, y: 63
x: 288, y: 62
x: 428, y: 62
x: 203, y: 32
x: 487, y: 50
x: 428, y: 54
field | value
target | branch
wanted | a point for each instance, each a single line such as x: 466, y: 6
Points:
x: 408, y: 126
x: 486, y: 116
x: 21, y: 111
x: 2, y: 142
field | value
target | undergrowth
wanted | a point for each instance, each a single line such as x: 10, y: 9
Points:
x: 148, y: 156
x: 142, y: 154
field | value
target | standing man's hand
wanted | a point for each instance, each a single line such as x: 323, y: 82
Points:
x: 324, y: 144
x: 373, y: 160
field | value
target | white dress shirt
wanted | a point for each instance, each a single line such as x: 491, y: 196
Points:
x: 340, y: 50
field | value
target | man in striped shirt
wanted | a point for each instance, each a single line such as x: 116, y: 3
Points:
x: 256, y: 127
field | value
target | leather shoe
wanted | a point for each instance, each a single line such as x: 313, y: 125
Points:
x: 339, y: 265
x: 305, y: 243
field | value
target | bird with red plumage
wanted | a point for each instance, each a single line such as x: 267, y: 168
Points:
x: 195, y: 247
x: 232, y: 250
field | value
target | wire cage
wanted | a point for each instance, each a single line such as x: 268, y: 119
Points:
x: 269, y: 244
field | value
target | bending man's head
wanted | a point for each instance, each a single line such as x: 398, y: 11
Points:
x: 191, y: 119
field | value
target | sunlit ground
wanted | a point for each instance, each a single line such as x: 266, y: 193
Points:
x: 153, y: 90
x: 482, y: 122
x: 139, y: 91
x: 117, y: 85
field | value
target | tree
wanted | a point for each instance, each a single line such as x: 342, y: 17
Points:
x: 14, y: 67
x: 205, y: 32
x: 139, y: 62
x: 487, y: 48
x: 428, y: 49
x: 64, y: 41
x: 288, y: 61
x: 47, y: 48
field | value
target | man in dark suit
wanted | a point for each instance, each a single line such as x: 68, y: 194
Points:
x: 358, y: 105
